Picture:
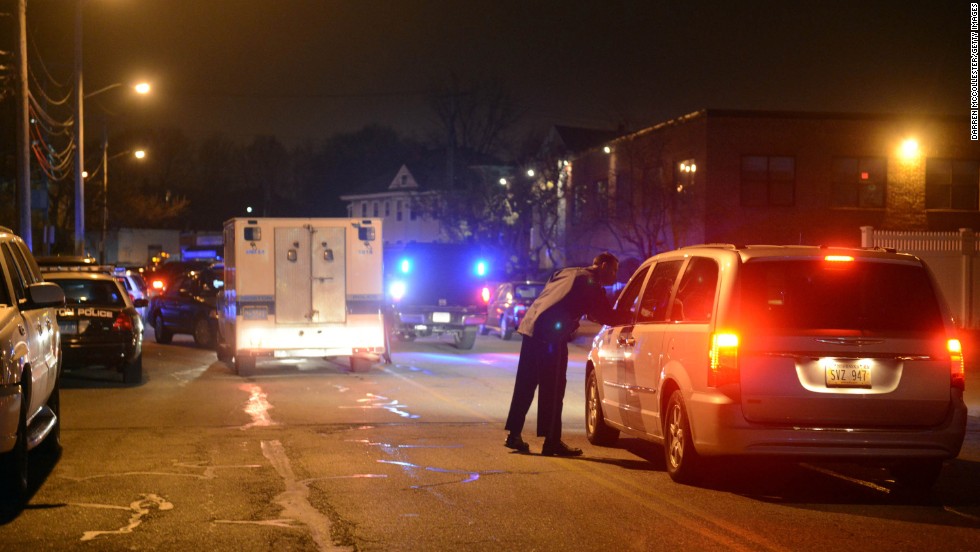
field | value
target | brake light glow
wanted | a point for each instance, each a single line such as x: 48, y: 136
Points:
x: 485, y: 294
x: 122, y: 323
x: 157, y: 284
x: 956, y: 367
x: 723, y: 358
x: 838, y: 258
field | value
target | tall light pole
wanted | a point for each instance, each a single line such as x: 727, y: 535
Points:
x: 80, y: 96
x: 79, y: 137
x: 139, y: 154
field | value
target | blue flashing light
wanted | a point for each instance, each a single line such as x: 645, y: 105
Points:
x: 397, y: 290
x: 481, y: 268
x: 405, y: 266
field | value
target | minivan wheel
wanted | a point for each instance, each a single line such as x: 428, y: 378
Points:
x: 13, y: 464
x: 596, y: 429
x: 681, y: 458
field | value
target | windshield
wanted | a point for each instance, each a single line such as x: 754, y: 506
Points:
x: 92, y: 292
x: 856, y: 295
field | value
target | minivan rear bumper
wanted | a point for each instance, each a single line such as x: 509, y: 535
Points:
x: 719, y: 428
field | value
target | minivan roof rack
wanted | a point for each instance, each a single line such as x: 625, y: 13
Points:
x: 715, y: 245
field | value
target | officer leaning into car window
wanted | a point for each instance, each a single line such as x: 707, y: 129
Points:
x: 547, y: 327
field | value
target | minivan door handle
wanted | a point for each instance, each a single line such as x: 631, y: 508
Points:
x: 627, y: 341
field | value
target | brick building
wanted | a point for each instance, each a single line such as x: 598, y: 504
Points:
x: 769, y: 177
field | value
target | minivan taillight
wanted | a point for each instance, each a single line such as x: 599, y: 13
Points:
x: 723, y: 359
x: 957, y: 371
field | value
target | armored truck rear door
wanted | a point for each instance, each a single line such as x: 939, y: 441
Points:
x: 310, y: 275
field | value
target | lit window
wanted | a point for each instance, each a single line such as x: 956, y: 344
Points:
x: 859, y: 182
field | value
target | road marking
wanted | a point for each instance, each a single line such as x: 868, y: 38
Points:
x: 728, y: 535
x: 209, y: 472
x: 184, y: 377
x: 295, y: 499
x: 140, y: 509
x: 257, y: 407
x: 843, y: 477
x: 962, y: 514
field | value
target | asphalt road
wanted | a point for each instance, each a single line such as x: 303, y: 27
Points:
x: 409, y: 456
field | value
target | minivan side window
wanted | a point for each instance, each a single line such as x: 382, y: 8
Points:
x: 627, y: 301
x: 695, y: 298
x: 16, y: 278
x: 656, y: 295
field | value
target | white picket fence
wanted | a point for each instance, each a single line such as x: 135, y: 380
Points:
x: 952, y: 256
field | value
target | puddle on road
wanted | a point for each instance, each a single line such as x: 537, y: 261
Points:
x: 257, y: 407
x: 372, y: 401
x: 409, y: 467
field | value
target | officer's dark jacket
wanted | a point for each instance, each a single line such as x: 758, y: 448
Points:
x: 570, y: 294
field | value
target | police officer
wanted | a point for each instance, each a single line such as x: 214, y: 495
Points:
x: 547, y: 328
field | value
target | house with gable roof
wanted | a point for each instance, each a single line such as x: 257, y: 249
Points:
x: 398, y: 207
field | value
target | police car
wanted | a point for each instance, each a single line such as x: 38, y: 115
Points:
x: 438, y: 289
x: 100, y: 324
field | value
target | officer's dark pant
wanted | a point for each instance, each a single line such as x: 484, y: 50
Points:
x: 541, y: 364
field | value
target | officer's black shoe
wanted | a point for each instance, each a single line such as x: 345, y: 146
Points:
x: 559, y: 449
x: 515, y: 442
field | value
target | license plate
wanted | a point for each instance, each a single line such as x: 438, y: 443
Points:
x: 441, y: 317
x: 68, y: 327
x: 848, y: 373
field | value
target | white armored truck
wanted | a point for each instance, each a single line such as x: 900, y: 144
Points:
x: 301, y: 288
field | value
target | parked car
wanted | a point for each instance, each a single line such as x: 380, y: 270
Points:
x: 100, y: 324
x: 437, y: 289
x: 188, y: 306
x: 508, y: 303
x: 159, y: 277
x: 795, y: 352
x: 30, y: 366
x: 135, y: 286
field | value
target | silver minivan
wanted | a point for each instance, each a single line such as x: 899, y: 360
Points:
x: 782, y: 351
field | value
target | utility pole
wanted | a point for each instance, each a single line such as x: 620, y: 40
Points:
x: 23, y: 129
x: 79, y: 137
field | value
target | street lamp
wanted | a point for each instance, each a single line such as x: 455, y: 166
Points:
x: 138, y: 154
x: 80, y: 95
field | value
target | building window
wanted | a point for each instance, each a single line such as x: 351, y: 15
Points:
x: 768, y: 180
x: 374, y: 209
x: 602, y: 199
x: 398, y: 210
x: 579, y: 201
x: 859, y: 182
x: 624, y: 196
x: 387, y: 209
x: 952, y: 184
x: 364, y: 209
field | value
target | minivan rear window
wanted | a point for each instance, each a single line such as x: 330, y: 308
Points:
x: 802, y: 295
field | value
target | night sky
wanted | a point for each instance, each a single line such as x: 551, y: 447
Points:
x: 308, y: 69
